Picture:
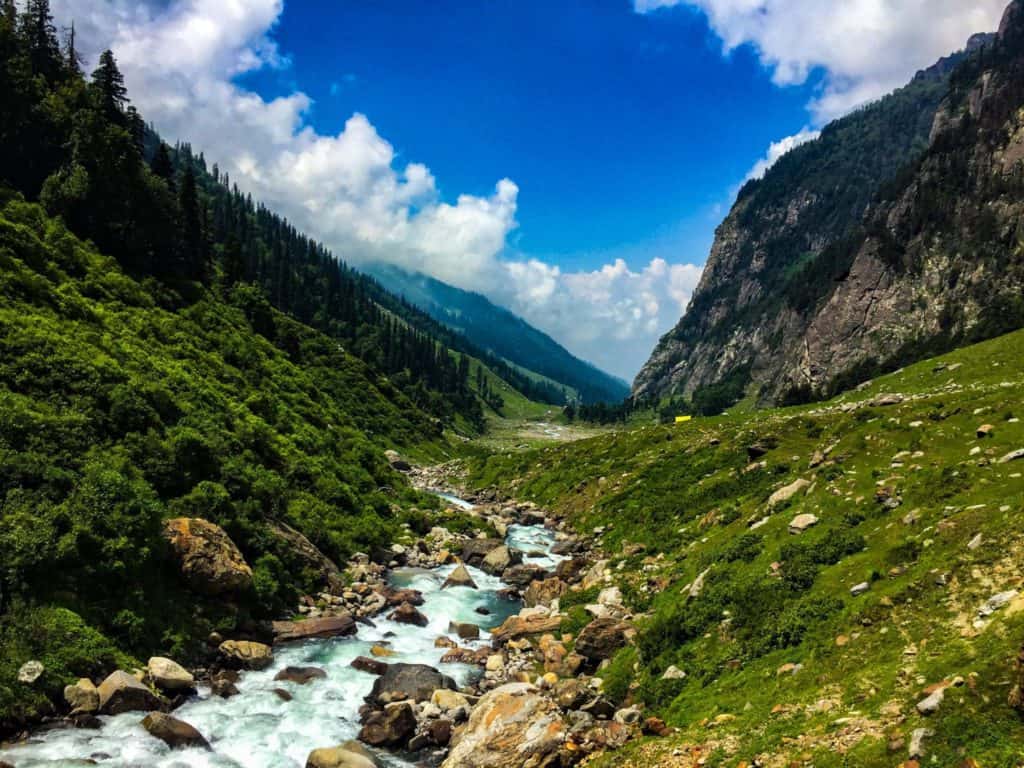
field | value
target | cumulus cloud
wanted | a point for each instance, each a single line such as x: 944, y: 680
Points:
x: 777, y: 149
x: 181, y: 60
x: 866, y: 48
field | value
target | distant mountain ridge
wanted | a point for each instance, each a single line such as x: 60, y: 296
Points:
x: 891, y: 237
x: 501, y: 332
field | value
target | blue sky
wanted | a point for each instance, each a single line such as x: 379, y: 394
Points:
x: 570, y: 159
x: 624, y: 132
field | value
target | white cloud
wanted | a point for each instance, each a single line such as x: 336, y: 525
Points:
x: 866, y: 47
x: 777, y: 149
x: 181, y: 60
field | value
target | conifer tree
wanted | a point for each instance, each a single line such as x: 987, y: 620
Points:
x: 191, y: 225
x: 162, y: 165
x: 40, y: 36
x: 109, y: 84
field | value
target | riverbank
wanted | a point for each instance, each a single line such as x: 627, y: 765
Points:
x: 404, y: 654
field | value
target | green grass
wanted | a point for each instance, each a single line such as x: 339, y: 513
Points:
x: 688, y: 493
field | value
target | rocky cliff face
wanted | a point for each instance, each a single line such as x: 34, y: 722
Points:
x: 893, y: 236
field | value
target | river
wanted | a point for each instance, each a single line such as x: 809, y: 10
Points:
x: 256, y: 729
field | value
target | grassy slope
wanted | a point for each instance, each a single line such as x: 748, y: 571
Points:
x: 685, y: 493
x: 122, y: 403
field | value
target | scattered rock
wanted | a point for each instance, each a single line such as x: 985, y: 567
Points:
x: 917, y: 738
x: 544, y: 592
x: 930, y: 704
x: 1012, y: 456
x: 209, y: 561
x: 783, y: 495
x: 655, y: 726
x: 447, y: 700
x: 464, y: 630
x: 985, y: 430
x: 859, y: 589
x: 521, y: 575
x: 397, y: 462
x: 168, y: 675
x: 407, y: 613
x: 82, y: 697
x: 175, y: 733
x: 300, y: 675
x: 515, y: 627
x: 308, y: 629
x: 890, y: 398
x: 392, y: 727
x: 30, y: 671
x: 344, y: 756
x: 223, y: 684
x: 407, y: 681
x: 498, y: 559
x: 996, y: 602
x: 801, y: 523
x: 121, y: 692
x: 366, y: 664
x: 246, y: 654
x: 976, y: 542
x: 475, y: 550
x: 282, y: 694
x: 601, y: 638
x: 510, y: 727
x: 673, y: 673
x: 459, y: 578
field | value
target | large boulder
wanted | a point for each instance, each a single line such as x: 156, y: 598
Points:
x: 168, y: 675
x: 300, y: 675
x: 500, y: 558
x: 308, y: 629
x: 459, y: 578
x: 407, y: 613
x: 313, y: 560
x: 601, y: 638
x: 475, y: 550
x: 521, y: 575
x: 544, y: 592
x: 348, y: 755
x: 407, y: 681
x: 175, y: 733
x: 392, y: 727
x: 515, y: 627
x: 210, y: 562
x: 122, y: 692
x: 82, y: 697
x: 510, y: 727
x: 245, y: 654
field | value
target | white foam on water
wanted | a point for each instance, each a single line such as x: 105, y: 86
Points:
x: 256, y: 729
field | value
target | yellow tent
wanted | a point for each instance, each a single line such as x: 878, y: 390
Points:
x: 683, y: 419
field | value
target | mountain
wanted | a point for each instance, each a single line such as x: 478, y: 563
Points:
x: 892, y: 236
x: 502, y: 333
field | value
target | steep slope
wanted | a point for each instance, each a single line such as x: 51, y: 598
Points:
x: 501, y: 332
x: 850, y: 256
x: 123, y: 403
x: 812, y: 644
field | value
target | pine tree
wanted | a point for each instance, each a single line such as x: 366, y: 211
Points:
x: 109, y: 84
x: 191, y: 225
x: 137, y: 129
x: 163, y: 167
x: 40, y: 36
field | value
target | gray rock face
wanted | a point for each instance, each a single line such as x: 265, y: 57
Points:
x: 798, y: 294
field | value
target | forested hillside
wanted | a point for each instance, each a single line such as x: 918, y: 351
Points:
x: 80, y: 148
x: 891, y: 237
x: 504, y: 334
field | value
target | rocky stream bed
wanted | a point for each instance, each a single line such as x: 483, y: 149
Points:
x: 448, y: 652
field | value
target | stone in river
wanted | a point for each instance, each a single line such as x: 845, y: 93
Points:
x: 459, y: 578
x: 175, y: 733
x: 300, y: 675
x: 407, y: 613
